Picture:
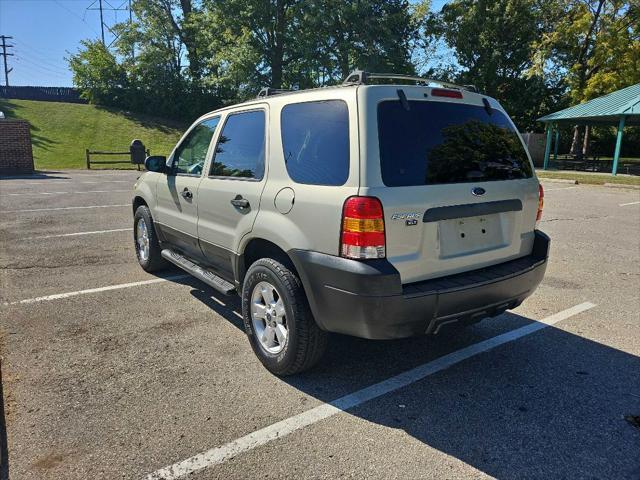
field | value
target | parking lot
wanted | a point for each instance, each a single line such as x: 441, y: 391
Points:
x: 109, y: 372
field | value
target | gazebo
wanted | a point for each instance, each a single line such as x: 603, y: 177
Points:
x: 620, y: 108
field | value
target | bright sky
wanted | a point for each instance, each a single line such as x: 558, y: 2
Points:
x: 45, y: 31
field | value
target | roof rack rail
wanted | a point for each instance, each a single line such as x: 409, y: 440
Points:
x: 360, y: 77
x: 269, y: 92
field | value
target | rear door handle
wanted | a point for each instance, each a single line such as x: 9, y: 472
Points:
x: 240, y: 202
x: 186, y: 193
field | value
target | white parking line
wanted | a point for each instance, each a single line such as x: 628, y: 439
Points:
x: 59, y: 193
x: 280, y: 429
x: 630, y: 203
x: 557, y: 189
x: 120, y: 286
x: 58, y: 182
x: 77, y: 234
x: 65, y: 208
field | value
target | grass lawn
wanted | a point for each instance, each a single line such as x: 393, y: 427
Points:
x: 590, y: 178
x: 62, y: 131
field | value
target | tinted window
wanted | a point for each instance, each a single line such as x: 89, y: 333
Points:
x: 438, y: 142
x: 315, y: 140
x: 240, y: 148
x: 192, y: 152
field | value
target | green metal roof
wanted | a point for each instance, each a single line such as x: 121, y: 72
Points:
x: 603, y: 110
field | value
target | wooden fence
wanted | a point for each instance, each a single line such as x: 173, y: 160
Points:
x: 88, y: 154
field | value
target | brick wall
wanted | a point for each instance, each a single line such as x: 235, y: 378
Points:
x: 16, y: 155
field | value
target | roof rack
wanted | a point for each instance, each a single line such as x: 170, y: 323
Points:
x: 269, y: 92
x: 360, y: 77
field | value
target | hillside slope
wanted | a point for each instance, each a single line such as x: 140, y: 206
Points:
x: 62, y: 131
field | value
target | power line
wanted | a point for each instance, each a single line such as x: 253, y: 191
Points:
x: 23, y: 50
x: 55, y: 70
x: 36, y: 71
x: 76, y: 15
x: 7, y: 70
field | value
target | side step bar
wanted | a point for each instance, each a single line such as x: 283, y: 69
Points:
x: 211, y: 279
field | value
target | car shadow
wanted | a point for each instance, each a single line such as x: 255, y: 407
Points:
x: 37, y: 175
x: 551, y: 405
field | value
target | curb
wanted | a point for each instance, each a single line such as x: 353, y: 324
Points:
x: 622, y: 185
x: 558, y: 180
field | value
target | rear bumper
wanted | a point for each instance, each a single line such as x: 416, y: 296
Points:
x: 367, y: 299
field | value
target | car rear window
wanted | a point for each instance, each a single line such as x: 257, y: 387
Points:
x: 315, y: 142
x: 444, y: 142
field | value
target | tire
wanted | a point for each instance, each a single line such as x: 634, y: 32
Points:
x: 150, y: 259
x: 304, y: 343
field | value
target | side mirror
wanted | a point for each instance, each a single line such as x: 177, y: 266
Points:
x: 156, y: 163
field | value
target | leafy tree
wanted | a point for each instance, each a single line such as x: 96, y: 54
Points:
x: 97, y: 73
x: 595, y: 43
x: 492, y: 42
x: 301, y: 44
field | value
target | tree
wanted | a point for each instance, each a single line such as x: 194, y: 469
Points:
x: 301, y: 44
x: 492, y: 41
x: 98, y: 75
x: 595, y: 43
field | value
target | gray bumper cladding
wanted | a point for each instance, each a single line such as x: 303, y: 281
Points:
x: 367, y: 299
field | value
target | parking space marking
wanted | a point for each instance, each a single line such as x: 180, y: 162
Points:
x: 630, y: 203
x: 77, y: 234
x: 65, y: 208
x: 120, y: 286
x: 557, y: 189
x: 58, y: 182
x: 280, y: 429
x: 59, y: 193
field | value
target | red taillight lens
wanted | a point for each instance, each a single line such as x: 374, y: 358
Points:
x: 362, y: 234
x: 443, y: 92
x: 540, y: 203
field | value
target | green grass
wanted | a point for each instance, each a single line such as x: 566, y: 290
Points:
x: 590, y: 178
x: 61, y: 132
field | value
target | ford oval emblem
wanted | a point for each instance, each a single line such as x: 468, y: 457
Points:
x: 477, y: 191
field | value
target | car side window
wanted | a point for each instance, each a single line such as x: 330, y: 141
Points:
x: 240, y: 149
x: 191, y: 154
x: 315, y: 142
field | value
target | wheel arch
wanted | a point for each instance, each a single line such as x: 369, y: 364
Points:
x: 255, y: 249
x: 138, y: 201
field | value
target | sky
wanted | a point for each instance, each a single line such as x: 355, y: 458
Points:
x: 45, y: 32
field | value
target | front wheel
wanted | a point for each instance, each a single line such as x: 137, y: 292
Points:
x: 278, y: 321
x: 146, y: 242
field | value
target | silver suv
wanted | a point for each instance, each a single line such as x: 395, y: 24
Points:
x: 375, y: 210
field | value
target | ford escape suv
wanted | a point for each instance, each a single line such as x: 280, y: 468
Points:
x: 376, y: 210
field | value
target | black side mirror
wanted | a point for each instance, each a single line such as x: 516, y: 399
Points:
x: 156, y: 163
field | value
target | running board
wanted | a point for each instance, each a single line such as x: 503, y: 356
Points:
x: 208, y: 277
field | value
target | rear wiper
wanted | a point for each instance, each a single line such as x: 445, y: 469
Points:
x: 487, y: 106
x: 403, y: 99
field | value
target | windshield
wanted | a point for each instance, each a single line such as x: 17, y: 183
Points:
x: 442, y: 142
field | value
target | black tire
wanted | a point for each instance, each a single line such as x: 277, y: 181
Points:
x: 154, y: 262
x: 306, y: 342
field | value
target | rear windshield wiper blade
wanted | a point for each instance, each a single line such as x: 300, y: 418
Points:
x: 403, y: 99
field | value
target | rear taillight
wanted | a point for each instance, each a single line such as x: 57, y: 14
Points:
x: 443, y: 92
x: 540, y: 203
x: 362, y: 235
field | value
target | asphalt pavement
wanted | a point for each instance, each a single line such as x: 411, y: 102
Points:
x: 110, y: 372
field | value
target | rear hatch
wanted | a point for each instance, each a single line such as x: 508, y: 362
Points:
x: 454, y: 178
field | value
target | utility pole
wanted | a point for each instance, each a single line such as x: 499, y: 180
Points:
x: 103, y: 5
x: 102, y: 24
x: 7, y: 70
x: 133, y: 47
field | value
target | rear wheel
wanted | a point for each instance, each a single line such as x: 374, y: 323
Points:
x: 146, y: 242
x: 278, y: 321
